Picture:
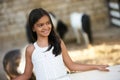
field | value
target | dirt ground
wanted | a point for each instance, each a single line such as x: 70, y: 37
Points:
x: 104, y: 50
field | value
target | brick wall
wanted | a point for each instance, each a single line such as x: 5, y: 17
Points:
x: 13, y: 15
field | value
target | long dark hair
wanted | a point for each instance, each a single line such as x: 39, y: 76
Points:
x: 53, y: 38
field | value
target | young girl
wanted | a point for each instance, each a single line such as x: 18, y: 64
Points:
x: 48, y: 54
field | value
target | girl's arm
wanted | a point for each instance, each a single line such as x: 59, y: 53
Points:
x: 72, y: 66
x: 29, y: 66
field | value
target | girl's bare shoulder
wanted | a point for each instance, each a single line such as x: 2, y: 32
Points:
x: 30, y: 48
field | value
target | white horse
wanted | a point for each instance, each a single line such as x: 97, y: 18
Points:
x: 80, y: 23
x: 113, y: 74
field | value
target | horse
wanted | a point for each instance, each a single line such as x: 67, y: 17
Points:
x: 60, y: 26
x: 81, y: 25
x: 14, y: 63
x: 113, y: 74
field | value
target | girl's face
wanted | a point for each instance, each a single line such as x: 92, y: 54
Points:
x: 43, y: 26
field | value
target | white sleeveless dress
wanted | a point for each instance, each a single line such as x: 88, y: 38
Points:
x: 47, y: 66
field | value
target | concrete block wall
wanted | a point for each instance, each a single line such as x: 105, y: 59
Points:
x: 13, y: 16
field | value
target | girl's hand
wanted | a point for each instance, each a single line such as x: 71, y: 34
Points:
x: 102, y: 67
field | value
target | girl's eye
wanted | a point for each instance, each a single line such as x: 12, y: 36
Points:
x: 48, y: 23
x: 40, y: 25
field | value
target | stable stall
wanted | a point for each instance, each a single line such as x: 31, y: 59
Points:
x: 114, y: 12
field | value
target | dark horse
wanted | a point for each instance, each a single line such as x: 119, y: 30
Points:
x: 14, y: 63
